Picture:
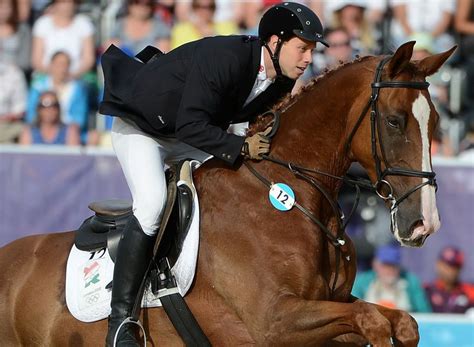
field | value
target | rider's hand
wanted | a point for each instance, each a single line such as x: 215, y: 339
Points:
x: 257, y: 145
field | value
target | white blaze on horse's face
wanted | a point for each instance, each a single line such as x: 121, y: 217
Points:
x: 421, y: 110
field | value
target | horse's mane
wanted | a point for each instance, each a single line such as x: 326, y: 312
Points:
x: 288, y: 100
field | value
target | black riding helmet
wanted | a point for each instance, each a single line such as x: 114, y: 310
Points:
x: 287, y: 20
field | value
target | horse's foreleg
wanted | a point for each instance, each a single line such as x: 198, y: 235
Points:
x: 347, y: 340
x: 404, y: 327
x: 295, y: 321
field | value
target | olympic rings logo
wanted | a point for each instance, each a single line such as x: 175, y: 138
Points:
x: 92, y: 299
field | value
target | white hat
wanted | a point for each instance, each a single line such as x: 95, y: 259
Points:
x: 337, y: 5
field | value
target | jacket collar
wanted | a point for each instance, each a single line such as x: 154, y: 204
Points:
x: 247, y: 85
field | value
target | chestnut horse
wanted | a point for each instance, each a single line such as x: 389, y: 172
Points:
x: 266, y: 277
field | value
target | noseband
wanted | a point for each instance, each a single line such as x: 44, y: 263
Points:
x: 376, y: 132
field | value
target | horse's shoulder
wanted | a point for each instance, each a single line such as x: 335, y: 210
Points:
x: 213, y: 171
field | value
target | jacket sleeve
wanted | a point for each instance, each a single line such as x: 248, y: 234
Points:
x: 211, y: 76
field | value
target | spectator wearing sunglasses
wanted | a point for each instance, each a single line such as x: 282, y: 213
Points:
x: 48, y: 128
x: 200, y: 24
x: 339, y: 51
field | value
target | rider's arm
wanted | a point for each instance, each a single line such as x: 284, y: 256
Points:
x: 210, y: 79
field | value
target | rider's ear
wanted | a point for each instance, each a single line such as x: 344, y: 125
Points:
x: 400, y: 59
x: 431, y: 64
x: 272, y: 42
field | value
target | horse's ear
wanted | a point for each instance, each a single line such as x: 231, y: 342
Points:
x: 431, y: 64
x: 400, y: 59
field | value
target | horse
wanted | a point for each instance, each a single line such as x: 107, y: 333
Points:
x: 266, y: 277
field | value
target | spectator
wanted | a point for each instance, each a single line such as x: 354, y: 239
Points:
x: 61, y: 29
x: 350, y: 15
x: 248, y: 15
x: 48, y: 129
x: 71, y: 93
x: 36, y: 9
x: 441, y: 145
x: 165, y: 12
x: 24, y: 10
x: 138, y: 29
x: 420, y: 16
x: 12, y: 102
x: 200, y: 24
x: 15, y: 36
x: 225, y: 10
x: 447, y: 293
x: 388, y: 285
x: 339, y: 51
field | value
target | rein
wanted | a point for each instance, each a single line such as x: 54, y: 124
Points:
x: 300, y: 172
x: 338, y: 240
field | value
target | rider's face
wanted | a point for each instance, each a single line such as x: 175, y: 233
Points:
x: 296, y: 54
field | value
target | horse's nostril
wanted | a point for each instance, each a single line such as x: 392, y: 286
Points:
x: 417, y: 225
x: 421, y: 240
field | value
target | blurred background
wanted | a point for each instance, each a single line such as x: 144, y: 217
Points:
x: 56, y: 155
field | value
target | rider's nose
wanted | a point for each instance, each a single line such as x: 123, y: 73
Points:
x: 309, y: 57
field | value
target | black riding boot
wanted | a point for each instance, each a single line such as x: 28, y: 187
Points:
x: 133, y: 256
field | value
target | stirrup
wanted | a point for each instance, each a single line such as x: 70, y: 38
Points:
x: 132, y: 321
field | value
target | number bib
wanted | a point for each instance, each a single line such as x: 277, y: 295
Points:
x: 281, y: 196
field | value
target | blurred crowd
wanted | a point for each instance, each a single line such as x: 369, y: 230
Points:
x: 50, y: 54
x: 386, y: 282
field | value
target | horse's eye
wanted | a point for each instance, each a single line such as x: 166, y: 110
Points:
x: 393, y: 122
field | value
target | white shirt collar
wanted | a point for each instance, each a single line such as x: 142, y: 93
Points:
x: 262, y: 71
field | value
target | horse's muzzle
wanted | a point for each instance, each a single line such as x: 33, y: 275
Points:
x: 418, y: 236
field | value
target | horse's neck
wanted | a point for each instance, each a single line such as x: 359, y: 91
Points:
x: 314, y: 130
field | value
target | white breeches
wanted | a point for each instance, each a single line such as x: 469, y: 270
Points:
x: 142, y: 158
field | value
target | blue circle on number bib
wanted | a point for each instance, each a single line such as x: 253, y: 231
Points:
x: 281, y: 196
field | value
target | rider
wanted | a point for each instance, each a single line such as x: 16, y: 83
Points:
x: 179, y: 105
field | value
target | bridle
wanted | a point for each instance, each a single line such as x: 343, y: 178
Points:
x: 301, y: 172
x: 375, y: 132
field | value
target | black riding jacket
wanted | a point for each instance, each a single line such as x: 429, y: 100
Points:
x: 192, y: 93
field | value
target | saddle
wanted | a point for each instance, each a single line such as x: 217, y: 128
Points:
x: 105, y: 227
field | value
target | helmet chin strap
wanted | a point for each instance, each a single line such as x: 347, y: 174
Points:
x: 275, y: 57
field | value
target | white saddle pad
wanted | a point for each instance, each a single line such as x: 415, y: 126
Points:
x: 88, y: 273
